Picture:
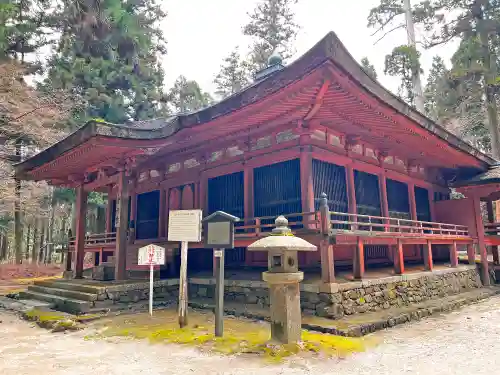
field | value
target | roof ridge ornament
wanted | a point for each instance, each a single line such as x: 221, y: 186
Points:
x: 274, y: 64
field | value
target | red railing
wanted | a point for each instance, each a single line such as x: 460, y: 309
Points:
x: 492, y: 229
x: 379, y: 225
x: 96, y: 239
x: 333, y: 222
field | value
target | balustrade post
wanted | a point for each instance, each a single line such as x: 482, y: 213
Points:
x: 326, y: 249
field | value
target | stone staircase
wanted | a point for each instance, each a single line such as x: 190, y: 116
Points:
x: 74, y: 298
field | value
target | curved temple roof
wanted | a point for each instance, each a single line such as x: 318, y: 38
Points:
x: 158, y: 133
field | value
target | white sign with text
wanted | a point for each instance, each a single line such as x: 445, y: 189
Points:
x: 184, y: 225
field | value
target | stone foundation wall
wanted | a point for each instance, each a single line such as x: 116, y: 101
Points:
x: 336, y: 300
x: 163, y: 290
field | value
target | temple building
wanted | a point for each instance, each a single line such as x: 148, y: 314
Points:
x: 319, y: 125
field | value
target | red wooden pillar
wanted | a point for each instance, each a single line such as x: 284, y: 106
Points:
x: 491, y: 219
x: 485, y: 275
x: 109, y: 210
x: 413, y: 203
x: 306, y: 180
x: 471, y: 253
x: 121, y: 227
x: 81, y: 217
x: 133, y: 215
x: 351, y: 190
x: 399, y: 264
x: 453, y: 255
x: 427, y: 255
x: 248, y: 205
x: 162, y: 214
x: 432, y: 209
x: 359, y: 260
x: 203, y: 193
x: 384, y: 203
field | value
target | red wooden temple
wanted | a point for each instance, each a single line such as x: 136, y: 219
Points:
x: 319, y: 125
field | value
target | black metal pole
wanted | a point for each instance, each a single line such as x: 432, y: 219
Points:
x: 219, y: 292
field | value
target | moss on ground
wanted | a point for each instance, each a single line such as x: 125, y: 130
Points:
x: 58, y: 322
x: 240, y: 335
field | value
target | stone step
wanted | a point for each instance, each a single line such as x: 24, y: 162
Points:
x: 73, y: 294
x: 68, y: 285
x: 23, y: 305
x: 69, y: 305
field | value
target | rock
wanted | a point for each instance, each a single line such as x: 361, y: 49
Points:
x: 335, y: 311
x: 368, y: 298
x: 386, y: 305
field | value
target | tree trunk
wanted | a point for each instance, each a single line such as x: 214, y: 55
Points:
x: 50, y: 231
x: 27, y: 250
x: 36, y: 241
x: 64, y: 239
x: 17, y: 213
x: 41, y: 250
x: 3, y: 246
x: 489, y: 80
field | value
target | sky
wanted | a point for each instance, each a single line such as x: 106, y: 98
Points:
x: 201, y: 33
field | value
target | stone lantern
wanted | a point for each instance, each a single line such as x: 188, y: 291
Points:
x: 283, y: 278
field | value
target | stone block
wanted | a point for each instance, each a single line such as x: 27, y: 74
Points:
x: 103, y: 272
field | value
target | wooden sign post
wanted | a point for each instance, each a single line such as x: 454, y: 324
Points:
x: 219, y: 235
x: 184, y: 226
x: 151, y: 255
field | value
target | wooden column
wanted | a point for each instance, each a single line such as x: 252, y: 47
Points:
x: 81, y: 217
x: 162, y: 213
x: 359, y: 260
x: 248, y: 205
x: 306, y: 179
x: 453, y: 255
x: 204, y: 193
x: 248, y: 195
x: 399, y: 264
x: 133, y: 215
x: 471, y: 253
x: 427, y: 255
x: 491, y: 219
x: 384, y: 203
x: 351, y: 189
x: 121, y: 227
x: 413, y: 203
x: 485, y: 275
x: 432, y: 209
x: 109, y: 210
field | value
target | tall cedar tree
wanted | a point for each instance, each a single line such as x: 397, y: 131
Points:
x: 477, y: 22
x: 187, y: 96
x: 369, y: 68
x: 108, y: 52
x: 233, y: 76
x: 26, y: 116
x: 271, y: 27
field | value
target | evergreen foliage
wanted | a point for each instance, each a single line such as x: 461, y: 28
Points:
x: 108, y: 53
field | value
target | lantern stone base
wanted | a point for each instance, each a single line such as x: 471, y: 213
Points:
x: 284, y: 294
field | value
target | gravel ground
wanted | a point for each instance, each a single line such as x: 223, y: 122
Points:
x: 463, y: 342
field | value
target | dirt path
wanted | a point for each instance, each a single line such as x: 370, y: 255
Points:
x: 464, y: 342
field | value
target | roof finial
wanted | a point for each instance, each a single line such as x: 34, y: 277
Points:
x: 275, y: 58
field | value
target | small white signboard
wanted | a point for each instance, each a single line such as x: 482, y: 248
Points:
x: 184, y: 225
x: 218, y: 253
x: 151, y: 255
